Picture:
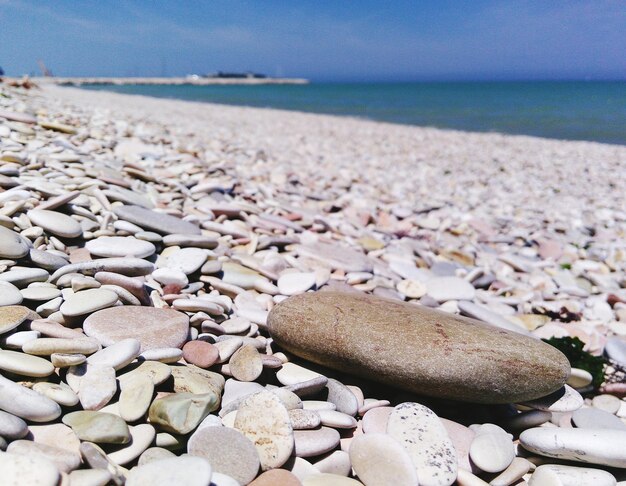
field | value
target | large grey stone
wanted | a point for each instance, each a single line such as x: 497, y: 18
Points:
x: 160, y: 222
x: 416, y: 348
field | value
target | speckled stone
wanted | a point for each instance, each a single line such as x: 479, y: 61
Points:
x: 426, y: 440
x: 416, y: 348
x: 153, y: 327
x: 12, y: 316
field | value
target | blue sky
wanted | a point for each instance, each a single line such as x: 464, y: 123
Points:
x: 347, y: 40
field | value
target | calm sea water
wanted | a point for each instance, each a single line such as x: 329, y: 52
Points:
x: 576, y: 110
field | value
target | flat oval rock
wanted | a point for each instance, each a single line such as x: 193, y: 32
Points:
x: 58, y: 224
x: 12, y: 316
x: 12, y: 245
x: 160, y: 222
x: 426, y: 440
x: 187, y: 470
x: 17, y: 469
x: 378, y: 457
x: 416, y: 348
x: 153, y: 327
x: 557, y: 475
x: 595, y: 446
x: 120, y: 246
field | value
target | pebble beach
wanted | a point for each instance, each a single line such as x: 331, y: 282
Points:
x: 197, y: 294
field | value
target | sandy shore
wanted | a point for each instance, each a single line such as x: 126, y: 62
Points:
x: 156, y: 241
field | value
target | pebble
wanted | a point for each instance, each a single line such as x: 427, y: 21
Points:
x: 49, y: 346
x: 443, y: 289
x: 12, y: 245
x: 135, y: 397
x: 96, y: 387
x: 264, y: 420
x: 310, y: 443
x: 595, y: 418
x: 64, y: 460
x: 187, y: 470
x: 565, y: 399
x: 120, y: 246
x: 246, y: 364
x: 9, y: 295
x: 21, y: 277
x: 88, y: 301
x: 228, y: 451
x: 492, y: 452
x: 181, y: 413
x: 424, y: 437
x: 19, y: 469
x: 98, y: 427
x: 295, y: 283
x: 595, y: 446
x: 616, y: 349
x: 557, y: 475
x: 12, y: 316
x: 376, y: 458
x: 58, y: 224
x: 608, y: 403
x: 59, y: 392
x: 152, y: 327
x: 117, y: 355
x: 481, y: 364
x: 26, y: 403
x: 276, y: 477
x: 24, y: 364
x: 159, y: 222
x: 142, y: 436
x: 12, y: 427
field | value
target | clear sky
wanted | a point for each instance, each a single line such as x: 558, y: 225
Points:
x: 346, y: 40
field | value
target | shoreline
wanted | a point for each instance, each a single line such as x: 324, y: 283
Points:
x: 287, y: 112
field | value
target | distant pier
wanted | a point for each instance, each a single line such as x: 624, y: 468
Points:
x: 190, y: 80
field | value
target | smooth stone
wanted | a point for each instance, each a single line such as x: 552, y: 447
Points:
x: 161, y: 223
x: 47, y: 260
x: 335, y: 462
x: 246, y: 364
x: 557, y: 475
x: 26, y: 403
x: 375, y: 421
x: 337, y: 420
x: 596, y: 446
x: 12, y: 427
x: 58, y: 224
x: 13, y: 246
x: 135, y: 397
x: 157, y: 372
x: 264, y: 420
x: 237, y: 390
x: 416, y: 348
x: 310, y: 443
x: 59, y: 392
x: 120, y: 246
x: 186, y: 260
x: 228, y: 451
x: 65, y: 360
x: 345, y: 401
x: 90, y: 477
x: 12, y: 316
x: 615, y: 349
x: 10, y: 295
x: 336, y: 256
x: 236, y: 325
x: 142, y: 436
x: 163, y: 355
x: 426, y: 440
x: 304, y: 419
x: 594, y: 418
x: 49, y: 346
x: 98, y: 427
x: 276, y: 477
x: 21, y: 277
x: 58, y: 435
x: 153, y: 327
x: 565, y: 399
x: 291, y: 374
x: 492, y: 452
x: 88, y: 301
x: 154, y: 454
x: 186, y: 470
x: 579, y: 378
x: 25, y: 364
x: 201, y: 353
x: 117, y: 355
x: 483, y: 314
x: 129, y: 267
x: 219, y: 479
x: 181, y: 413
x: 513, y: 473
x: 461, y: 438
x: 527, y: 420
x: 40, y: 293
x: 196, y: 380
x: 329, y: 480
x: 19, y: 470
x: 96, y: 387
x: 198, y: 241
x: 378, y: 457
x: 608, y: 403
x: 170, y: 276
x: 64, y: 460
x: 443, y: 289
x: 295, y: 283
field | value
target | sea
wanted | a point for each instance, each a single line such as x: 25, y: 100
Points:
x: 570, y: 110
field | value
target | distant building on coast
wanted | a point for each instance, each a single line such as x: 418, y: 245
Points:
x: 246, y: 75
